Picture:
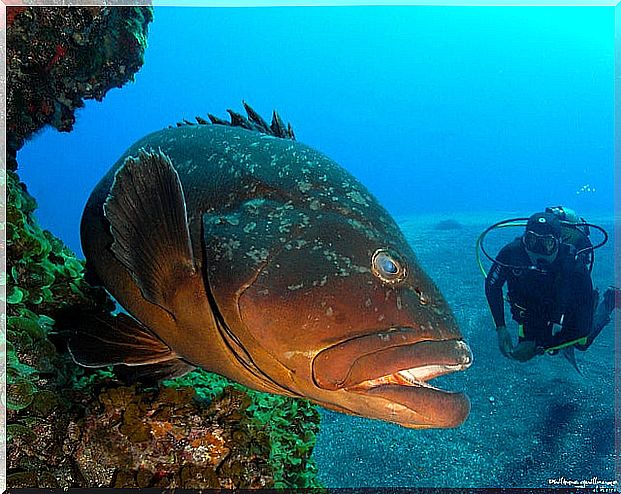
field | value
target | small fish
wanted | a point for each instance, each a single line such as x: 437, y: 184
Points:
x: 236, y: 249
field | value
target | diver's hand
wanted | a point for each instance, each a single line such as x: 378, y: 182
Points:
x: 504, y: 341
x: 525, y: 350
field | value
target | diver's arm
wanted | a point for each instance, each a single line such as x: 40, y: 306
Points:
x: 494, y: 282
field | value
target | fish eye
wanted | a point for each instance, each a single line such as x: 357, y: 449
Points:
x: 388, y: 267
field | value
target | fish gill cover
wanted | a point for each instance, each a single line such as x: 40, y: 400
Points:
x: 71, y: 427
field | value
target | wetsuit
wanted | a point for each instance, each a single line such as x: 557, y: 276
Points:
x: 563, y: 294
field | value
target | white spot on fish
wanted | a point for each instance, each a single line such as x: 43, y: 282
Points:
x: 308, y: 354
x: 228, y: 247
x: 295, y: 287
x: 258, y: 255
x: 329, y: 312
x: 356, y: 197
x: 304, y: 186
x: 321, y: 282
x: 250, y: 226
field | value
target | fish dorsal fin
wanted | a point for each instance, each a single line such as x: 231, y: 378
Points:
x: 147, y: 214
x: 253, y: 121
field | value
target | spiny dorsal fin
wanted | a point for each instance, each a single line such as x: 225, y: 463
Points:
x: 238, y: 120
x: 217, y: 121
x: 255, y: 118
x: 253, y: 121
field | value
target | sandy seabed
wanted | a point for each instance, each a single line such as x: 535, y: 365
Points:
x: 531, y: 425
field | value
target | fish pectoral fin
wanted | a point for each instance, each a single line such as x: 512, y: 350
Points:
x: 148, y: 221
x: 99, y: 340
x: 153, y: 373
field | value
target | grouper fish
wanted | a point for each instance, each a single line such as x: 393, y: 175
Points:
x: 235, y: 248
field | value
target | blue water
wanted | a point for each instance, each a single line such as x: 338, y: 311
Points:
x: 440, y: 111
x: 435, y: 109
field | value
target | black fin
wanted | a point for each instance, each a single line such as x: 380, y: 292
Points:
x: 147, y: 215
x: 278, y: 127
x: 216, y: 120
x: 256, y: 119
x: 253, y: 122
x: 238, y: 120
x: 153, y: 373
x: 99, y: 340
x: 570, y: 356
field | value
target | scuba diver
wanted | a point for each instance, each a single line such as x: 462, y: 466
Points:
x: 548, y: 275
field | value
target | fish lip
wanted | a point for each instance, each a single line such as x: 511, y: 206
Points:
x: 389, y: 370
x: 357, y: 362
x: 417, y: 407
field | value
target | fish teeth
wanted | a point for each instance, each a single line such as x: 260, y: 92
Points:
x: 416, y: 376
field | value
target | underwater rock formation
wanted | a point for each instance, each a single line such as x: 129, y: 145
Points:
x: 59, y: 56
x: 165, y: 438
x: 449, y: 224
x: 74, y: 427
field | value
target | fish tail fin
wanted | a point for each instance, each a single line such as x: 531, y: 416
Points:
x: 100, y: 340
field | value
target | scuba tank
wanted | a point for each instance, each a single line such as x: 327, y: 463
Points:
x: 575, y: 232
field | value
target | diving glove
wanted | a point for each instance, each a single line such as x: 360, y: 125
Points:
x: 504, y: 340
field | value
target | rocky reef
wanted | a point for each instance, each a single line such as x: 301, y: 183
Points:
x: 57, y: 57
x: 74, y: 427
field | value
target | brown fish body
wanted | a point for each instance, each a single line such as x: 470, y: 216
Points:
x: 286, y: 275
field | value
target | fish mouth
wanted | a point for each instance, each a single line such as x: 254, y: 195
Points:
x: 386, y: 376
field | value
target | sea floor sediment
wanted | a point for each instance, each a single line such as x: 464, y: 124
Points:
x: 531, y: 424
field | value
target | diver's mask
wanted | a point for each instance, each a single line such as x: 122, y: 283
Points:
x: 542, y: 238
x: 543, y: 245
x: 541, y: 249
